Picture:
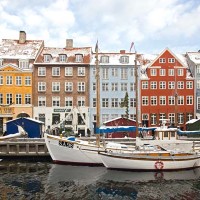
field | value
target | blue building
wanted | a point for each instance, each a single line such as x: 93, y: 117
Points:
x: 31, y: 126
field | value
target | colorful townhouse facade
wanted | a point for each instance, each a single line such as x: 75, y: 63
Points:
x: 167, y: 90
x: 61, y: 87
x: 193, y: 59
x: 16, y: 77
x: 117, y: 77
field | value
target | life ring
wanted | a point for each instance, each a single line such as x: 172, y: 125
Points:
x: 159, y: 164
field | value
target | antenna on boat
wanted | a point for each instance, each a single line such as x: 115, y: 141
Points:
x: 97, y: 96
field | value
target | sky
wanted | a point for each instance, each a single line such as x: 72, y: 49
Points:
x: 152, y: 25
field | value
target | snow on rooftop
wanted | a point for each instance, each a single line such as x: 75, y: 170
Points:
x: 194, y: 56
x: 12, y: 49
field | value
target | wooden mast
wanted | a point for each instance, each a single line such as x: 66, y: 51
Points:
x: 97, y: 97
x: 136, y: 93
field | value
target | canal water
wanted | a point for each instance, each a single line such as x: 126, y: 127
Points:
x: 44, y: 180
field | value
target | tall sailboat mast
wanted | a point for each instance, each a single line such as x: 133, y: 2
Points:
x: 97, y: 96
x: 136, y: 93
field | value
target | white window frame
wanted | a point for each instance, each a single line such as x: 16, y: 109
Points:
x: 68, y: 86
x: 18, y: 80
x: 145, y: 85
x: 47, y: 58
x: 180, y: 100
x: 55, y: 71
x: 105, y: 73
x: 81, y: 86
x: 104, y: 59
x: 1, y: 80
x: 81, y: 71
x: 18, y: 99
x: 189, y: 84
x: 162, y: 72
x: 180, y: 72
x: 162, y: 100
x: 145, y: 100
x: 41, y: 71
x: 162, y: 60
x: 27, y: 98
x: 79, y: 58
x: 153, y: 100
x: 55, y: 86
x: 171, y: 100
x: 68, y: 101
x: 171, y: 60
x: 189, y: 100
x: 124, y: 73
x: 124, y: 59
x: 68, y: 71
x: 114, y: 72
x: 27, y: 81
x: 153, y: 72
x: 24, y: 64
x: 171, y: 85
x: 62, y: 58
x: 41, y: 86
x: 162, y: 85
x: 81, y: 101
x: 41, y: 101
x: 9, y: 80
x: 171, y: 72
x: 55, y: 101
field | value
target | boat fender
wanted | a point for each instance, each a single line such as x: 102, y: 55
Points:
x: 159, y: 175
x: 159, y: 164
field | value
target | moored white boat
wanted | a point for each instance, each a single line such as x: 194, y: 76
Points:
x: 150, y: 161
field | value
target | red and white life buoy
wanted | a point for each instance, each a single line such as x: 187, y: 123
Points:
x: 159, y: 164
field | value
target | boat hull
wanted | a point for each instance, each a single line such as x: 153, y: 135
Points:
x: 64, y: 151
x: 149, y: 163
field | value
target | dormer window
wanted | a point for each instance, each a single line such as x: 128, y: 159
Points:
x: 24, y: 64
x: 79, y: 58
x: 124, y: 59
x: 104, y: 59
x: 47, y: 57
x: 62, y: 58
x: 1, y: 62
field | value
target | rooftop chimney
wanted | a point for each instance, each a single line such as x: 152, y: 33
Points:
x: 22, y: 37
x: 122, y: 51
x: 69, y: 43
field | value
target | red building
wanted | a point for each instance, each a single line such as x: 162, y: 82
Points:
x: 167, y: 90
x: 120, y: 122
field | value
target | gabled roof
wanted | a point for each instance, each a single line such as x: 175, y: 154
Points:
x: 194, y: 56
x: 10, y: 67
x: 117, y: 119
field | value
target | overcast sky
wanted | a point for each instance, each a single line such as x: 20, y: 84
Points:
x: 152, y: 25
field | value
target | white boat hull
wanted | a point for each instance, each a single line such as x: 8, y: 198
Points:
x: 72, y: 152
x: 117, y: 161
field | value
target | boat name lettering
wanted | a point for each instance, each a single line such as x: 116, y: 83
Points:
x: 66, y: 144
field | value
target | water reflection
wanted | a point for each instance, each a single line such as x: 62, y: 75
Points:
x: 21, y: 180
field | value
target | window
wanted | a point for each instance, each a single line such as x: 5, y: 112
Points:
x: 94, y: 87
x: 153, y: 72
x: 162, y: 85
x: 104, y: 59
x: 9, y: 80
x: 124, y: 87
x: 68, y: 71
x: 114, y: 87
x: 55, y: 101
x: 171, y: 60
x: 55, y: 86
x: 1, y: 80
x: 132, y: 72
x: 198, y: 69
x: 124, y: 59
x: 81, y: 87
x: 180, y: 100
x: 27, y: 81
x: 131, y: 86
x: 47, y: 57
x: 162, y: 100
x: 171, y: 100
x: 180, y: 85
x: 9, y: 98
x: 189, y: 100
x: 79, y: 58
x: 198, y: 84
x: 180, y: 118
x: 41, y: 101
x: 105, y: 73
x: 189, y: 85
x: 105, y: 117
x: 144, y: 84
x: 18, y: 99
x: 114, y: 72
x: 94, y: 102
x: 198, y: 103
x: 124, y: 73
x: 18, y: 80
x: 81, y: 71
x: 171, y: 85
x: 94, y: 71
x: 1, y: 98
x: 1, y: 62
x: 153, y: 100
x: 62, y: 57
x: 153, y: 85
x: 55, y: 71
x: 162, y: 72
x: 27, y: 99
x: 104, y: 87
x: 153, y: 119
x: 81, y: 101
x: 41, y: 71
x: 68, y: 101
x: 189, y: 116
x: 171, y: 72
x: 41, y: 86
x: 132, y: 102
x: 68, y: 86
x: 114, y: 102
x: 162, y: 60
x: 105, y: 102
x: 145, y: 101
x: 23, y: 64
x: 180, y: 72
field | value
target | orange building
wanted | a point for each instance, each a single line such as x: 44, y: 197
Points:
x: 167, y: 90
x: 16, y: 69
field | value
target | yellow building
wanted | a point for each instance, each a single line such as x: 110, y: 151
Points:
x: 16, y: 74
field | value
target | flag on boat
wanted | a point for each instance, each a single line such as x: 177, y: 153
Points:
x: 96, y: 47
x: 132, y: 44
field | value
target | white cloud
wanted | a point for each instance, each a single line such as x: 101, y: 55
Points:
x: 151, y: 24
